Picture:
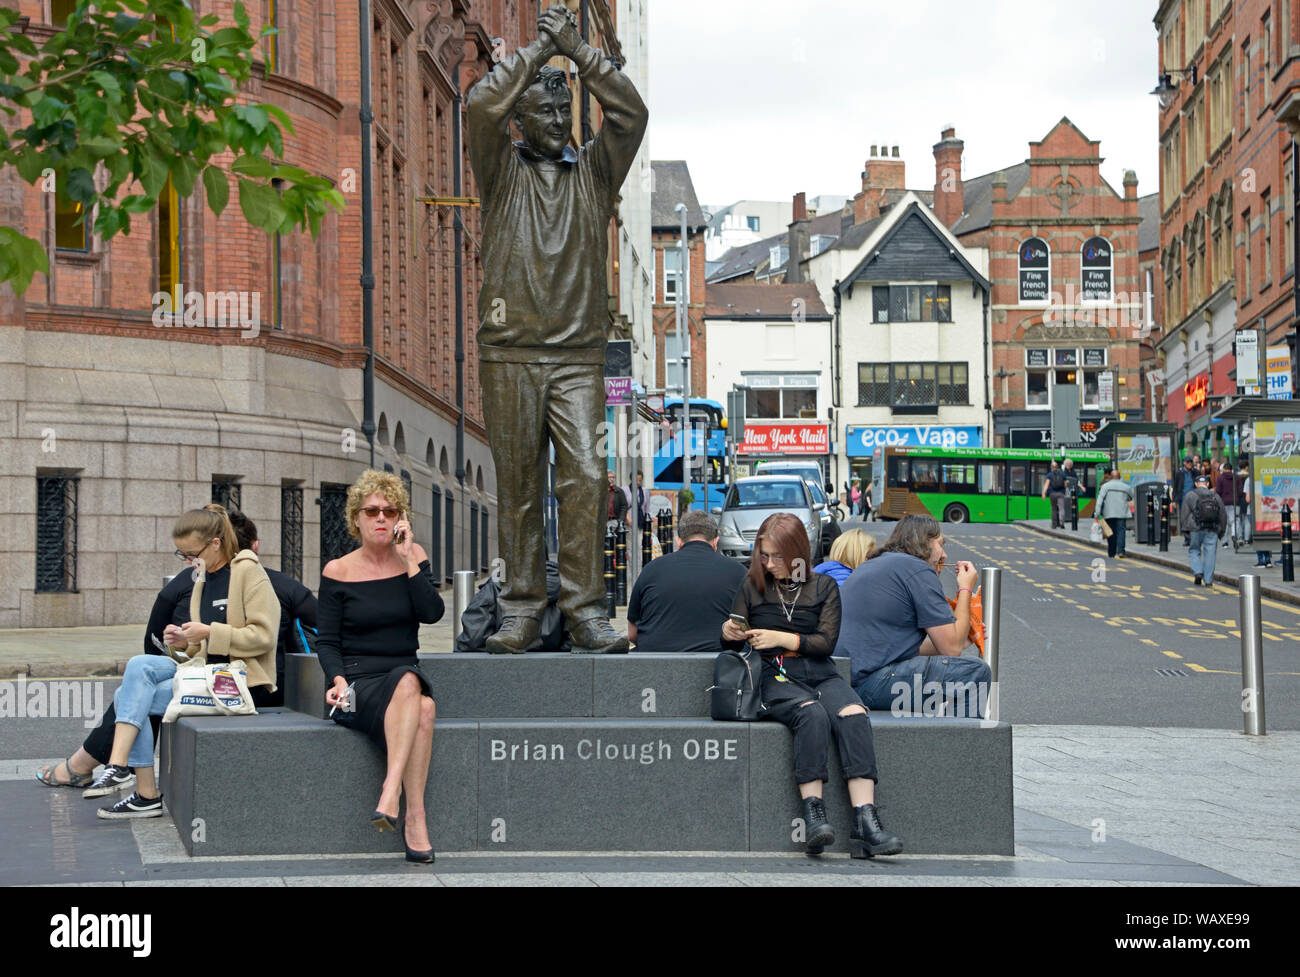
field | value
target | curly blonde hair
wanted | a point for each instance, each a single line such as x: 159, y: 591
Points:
x: 372, y: 482
x: 852, y: 548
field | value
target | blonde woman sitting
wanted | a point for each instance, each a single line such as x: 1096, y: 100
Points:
x: 851, y: 549
x: 371, y: 604
x: 234, y: 613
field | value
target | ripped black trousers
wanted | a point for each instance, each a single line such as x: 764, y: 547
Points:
x: 814, y: 725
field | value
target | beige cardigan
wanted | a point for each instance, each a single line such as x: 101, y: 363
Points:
x: 252, y: 625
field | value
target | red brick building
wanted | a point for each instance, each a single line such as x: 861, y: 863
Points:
x: 1063, y: 262
x: 672, y: 185
x: 117, y: 425
x: 1230, y: 84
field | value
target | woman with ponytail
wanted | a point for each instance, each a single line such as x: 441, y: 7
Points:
x: 234, y: 613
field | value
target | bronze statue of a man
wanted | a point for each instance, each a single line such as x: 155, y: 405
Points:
x: 543, y: 311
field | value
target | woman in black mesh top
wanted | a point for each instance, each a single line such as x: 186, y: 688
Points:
x: 371, y: 604
x: 792, y: 619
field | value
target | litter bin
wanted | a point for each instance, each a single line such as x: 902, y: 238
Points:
x: 1140, y: 495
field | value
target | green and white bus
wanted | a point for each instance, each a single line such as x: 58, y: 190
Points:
x: 981, y: 484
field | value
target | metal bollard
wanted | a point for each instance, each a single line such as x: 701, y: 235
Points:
x: 647, y: 550
x: 462, y: 592
x: 1074, y: 507
x: 666, y: 538
x: 991, y: 600
x: 1288, y: 560
x: 1252, y: 655
x: 620, y: 565
x: 1165, y: 502
x: 611, y: 609
x: 1150, y: 535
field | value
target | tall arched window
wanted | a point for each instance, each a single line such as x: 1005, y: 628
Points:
x: 1034, y: 259
x: 1097, y: 262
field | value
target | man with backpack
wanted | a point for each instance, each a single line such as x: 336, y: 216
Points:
x: 1205, y: 519
x: 1054, y: 490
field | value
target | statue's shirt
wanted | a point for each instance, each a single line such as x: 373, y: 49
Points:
x: 545, y: 247
x: 545, y: 225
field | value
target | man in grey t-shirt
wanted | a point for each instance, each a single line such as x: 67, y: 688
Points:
x: 901, y: 634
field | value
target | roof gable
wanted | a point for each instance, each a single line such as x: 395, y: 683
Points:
x: 916, y: 247
x: 1065, y: 139
x: 672, y: 186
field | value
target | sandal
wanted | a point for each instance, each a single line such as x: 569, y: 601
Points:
x: 77, y: 780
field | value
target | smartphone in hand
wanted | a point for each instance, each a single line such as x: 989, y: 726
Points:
x: 739, y: 621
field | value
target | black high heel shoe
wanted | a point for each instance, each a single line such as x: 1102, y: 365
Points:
x: 422, y: 857
x: 383, y: 822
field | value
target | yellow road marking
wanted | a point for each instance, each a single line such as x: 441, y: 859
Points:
x: 1148, y: 641
x: 1129, y: 631
x: 1172, y: 655
x: 1171, y: 573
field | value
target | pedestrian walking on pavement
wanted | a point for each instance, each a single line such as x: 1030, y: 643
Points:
x: 1054, y: 492
x: 1205, y: 519
x: 1114, y: 503
x: 1226, y: 491
x: 1184, y: 481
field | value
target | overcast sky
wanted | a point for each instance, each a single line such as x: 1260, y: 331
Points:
x: 763, y: 100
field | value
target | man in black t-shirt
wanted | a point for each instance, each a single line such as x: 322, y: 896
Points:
x: 681, y: 599
x: 1054, y: 491
x: 297, y: 603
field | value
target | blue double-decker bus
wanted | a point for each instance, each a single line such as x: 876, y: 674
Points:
x: 708, y: 451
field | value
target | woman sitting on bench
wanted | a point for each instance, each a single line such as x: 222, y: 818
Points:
x: 792, y: 618
x: 233, y: 613
x: 371, y: 604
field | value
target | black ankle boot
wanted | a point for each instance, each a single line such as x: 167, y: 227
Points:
x: 817, y: 830
x: 869, y: 839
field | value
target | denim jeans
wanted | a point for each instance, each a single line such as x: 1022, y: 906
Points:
x: 1204, y: 548
x: 1060, y: 513
x: 145, y: 691
x: 1115, y: 541
x: 905, y: 686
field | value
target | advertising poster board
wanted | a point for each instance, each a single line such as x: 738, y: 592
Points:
x: 1278, y: 373
x: 1275, y: 470
x: 1144, y: 458
x: 661, y: 501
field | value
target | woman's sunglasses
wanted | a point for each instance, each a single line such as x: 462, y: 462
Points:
x: 372, y: 511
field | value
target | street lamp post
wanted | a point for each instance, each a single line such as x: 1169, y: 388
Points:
x: 684, y: 341
x: 367, y: 238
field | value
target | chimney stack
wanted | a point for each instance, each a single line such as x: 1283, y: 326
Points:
x: 949, y: 197
x: 884, y: 171
x: 797, y: 240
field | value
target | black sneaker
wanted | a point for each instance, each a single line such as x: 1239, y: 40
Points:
x: 134, y: 806
x: 110, y: 780
x: 1196, y: 579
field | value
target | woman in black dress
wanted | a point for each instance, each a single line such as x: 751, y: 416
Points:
x: 371, y: 604
x: 793, y: 621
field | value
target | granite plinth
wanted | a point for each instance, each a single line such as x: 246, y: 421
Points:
x: 286, y: 783
x: 542, y: 686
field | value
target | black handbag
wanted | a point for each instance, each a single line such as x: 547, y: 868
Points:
x: 736, y: 694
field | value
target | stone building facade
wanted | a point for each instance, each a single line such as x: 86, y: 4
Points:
x: 114, y: 425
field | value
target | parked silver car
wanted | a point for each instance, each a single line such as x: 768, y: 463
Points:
x: 751, y: 500
x: 811, y: 473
